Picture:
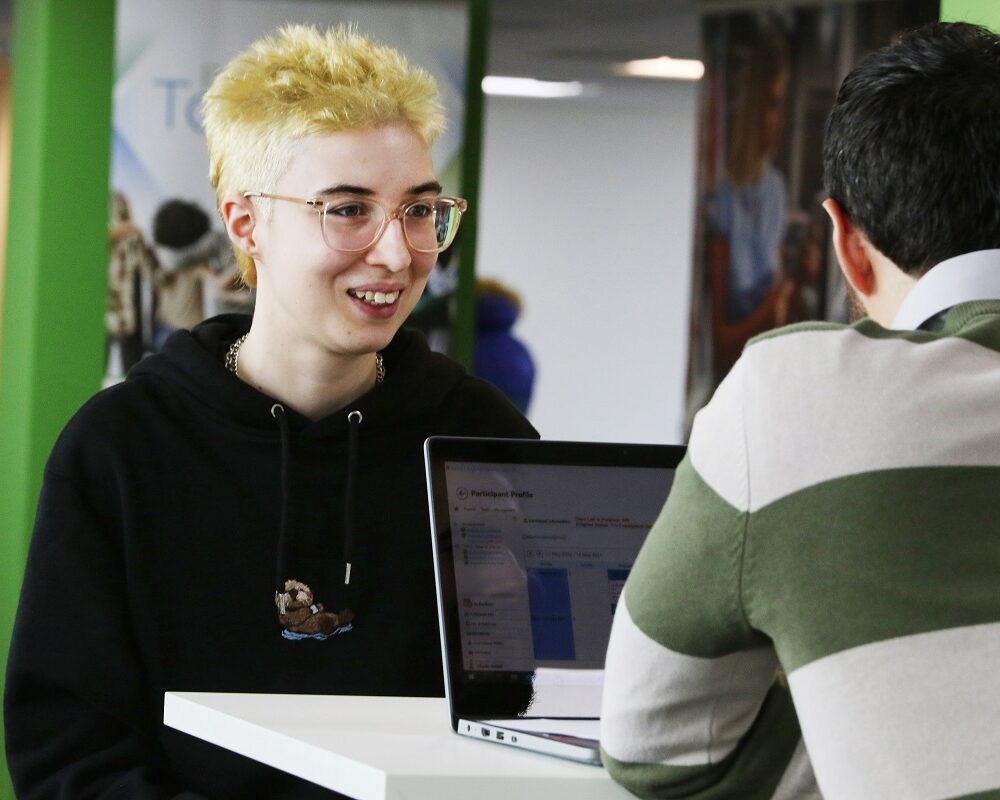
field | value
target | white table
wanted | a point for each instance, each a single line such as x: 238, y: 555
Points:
x: 380, y: 748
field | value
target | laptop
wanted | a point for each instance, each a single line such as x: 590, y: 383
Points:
x: 533, y: 541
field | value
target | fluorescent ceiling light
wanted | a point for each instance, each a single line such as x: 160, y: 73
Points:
x: 664, y: 67
x: 529, y: 87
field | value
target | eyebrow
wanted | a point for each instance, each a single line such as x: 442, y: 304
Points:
x: 346, y: 188
x: 430, y: 186
x: 364, y: 191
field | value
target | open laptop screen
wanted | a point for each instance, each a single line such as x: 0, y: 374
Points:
x: 534, y: 542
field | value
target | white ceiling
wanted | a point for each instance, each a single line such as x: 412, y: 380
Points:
x: 581, y: 39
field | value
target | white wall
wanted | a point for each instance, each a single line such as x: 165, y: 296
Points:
x: 606, y: 303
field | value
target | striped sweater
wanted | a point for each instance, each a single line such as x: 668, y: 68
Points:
x: 821, y: 593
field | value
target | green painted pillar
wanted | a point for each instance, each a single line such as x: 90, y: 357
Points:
x: 52, y: 343
x: 464, y: 326
x: 982, y: 12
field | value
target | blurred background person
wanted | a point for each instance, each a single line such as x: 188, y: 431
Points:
x: 501, y: 358
x: 197, y: 276
x: 747, y: 214
x: 131, y: 265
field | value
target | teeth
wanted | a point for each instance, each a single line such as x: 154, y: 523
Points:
x: 375, y: 298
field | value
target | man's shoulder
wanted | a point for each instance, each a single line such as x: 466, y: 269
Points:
x: 813, y: 326
x: 818, y: 402
x: 975, y: 323
x: 833, y: 352
x: 818, y: 332
x: 829, y: 350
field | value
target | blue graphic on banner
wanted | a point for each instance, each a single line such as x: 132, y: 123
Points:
x: 175, y: 104
x: 551, y: 615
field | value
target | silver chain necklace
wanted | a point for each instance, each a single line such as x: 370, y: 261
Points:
x: 233, y: 360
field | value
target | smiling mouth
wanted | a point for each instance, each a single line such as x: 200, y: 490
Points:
x: 375, y: 298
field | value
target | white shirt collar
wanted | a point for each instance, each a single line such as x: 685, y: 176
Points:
x: 972, y: 276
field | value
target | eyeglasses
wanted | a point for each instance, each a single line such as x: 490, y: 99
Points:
x: 355, y: 224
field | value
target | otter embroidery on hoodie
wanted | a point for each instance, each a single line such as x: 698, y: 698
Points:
x: 301, y: 618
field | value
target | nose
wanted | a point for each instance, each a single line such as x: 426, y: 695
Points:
x: 391, y: 250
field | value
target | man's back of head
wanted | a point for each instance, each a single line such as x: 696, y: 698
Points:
x: 912, y: 145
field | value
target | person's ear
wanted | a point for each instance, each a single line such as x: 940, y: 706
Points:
x: 239, y: 217
x: 852, y: 249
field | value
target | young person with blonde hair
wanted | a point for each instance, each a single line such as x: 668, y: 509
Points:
x: 247, y: 511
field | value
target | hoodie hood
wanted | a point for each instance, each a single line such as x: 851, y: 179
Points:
x: 416, y: 380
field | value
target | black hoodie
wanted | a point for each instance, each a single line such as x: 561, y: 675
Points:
x: 153, y: 564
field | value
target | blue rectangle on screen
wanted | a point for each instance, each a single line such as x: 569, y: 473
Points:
x: 551, y: 615
x: 616, y: 582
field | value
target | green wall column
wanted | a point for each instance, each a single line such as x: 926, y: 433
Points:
x: 982, y: 12
x: 464, y: 326
x: 52, y: 344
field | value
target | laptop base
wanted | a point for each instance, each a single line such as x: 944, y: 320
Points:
x: 574, y: 748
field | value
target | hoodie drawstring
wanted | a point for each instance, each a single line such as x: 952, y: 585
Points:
x: 353, y: 425
x: 278, y: 412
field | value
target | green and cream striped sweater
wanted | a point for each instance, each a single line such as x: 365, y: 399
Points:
x: 837, y: 519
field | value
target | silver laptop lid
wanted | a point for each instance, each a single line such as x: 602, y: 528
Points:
x: 533, y: 541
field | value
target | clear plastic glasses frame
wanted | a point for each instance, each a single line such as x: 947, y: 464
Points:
x: 452, y: 208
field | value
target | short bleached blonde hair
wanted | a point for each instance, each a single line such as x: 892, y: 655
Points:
x: 301, y: 82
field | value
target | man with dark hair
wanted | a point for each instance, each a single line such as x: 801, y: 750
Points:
x: 822, y: 591
x: 910, y: 155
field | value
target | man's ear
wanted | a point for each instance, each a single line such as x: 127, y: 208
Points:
x: 239, y: 216
x: 852, y: 248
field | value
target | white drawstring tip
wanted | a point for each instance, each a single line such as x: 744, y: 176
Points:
x: 347, y: 573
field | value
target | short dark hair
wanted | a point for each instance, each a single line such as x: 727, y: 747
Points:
x: 912, y: 145
x: 178, y: 224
